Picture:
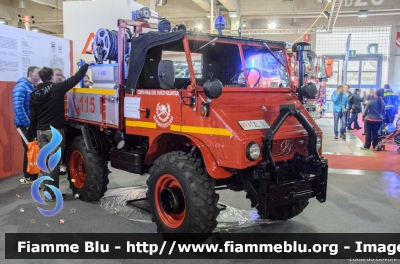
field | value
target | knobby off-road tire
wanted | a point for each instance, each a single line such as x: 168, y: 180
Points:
x: 288, y: 211
x: 284, y: 212
x: 182, y: 195
x: 87, y: 172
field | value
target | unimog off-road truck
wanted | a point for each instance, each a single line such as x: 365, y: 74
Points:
x: 185, y: 108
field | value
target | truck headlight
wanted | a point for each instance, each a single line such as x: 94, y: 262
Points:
x: 253, y: 151
x: 319, y: 143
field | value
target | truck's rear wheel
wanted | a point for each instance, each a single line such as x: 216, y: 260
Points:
x: 87, y: 172
x: 182, y: 195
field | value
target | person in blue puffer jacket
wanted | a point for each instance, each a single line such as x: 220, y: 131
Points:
x: 21, y: 95
x: 340, y: 109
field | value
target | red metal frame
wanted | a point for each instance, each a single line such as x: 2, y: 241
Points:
x: 122, y: 24
x: 189, y: 60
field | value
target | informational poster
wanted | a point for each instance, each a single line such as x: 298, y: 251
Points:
x: 131, y: 107
x: 329, y: 92
x: 20, y: 49
x: 329, y: 103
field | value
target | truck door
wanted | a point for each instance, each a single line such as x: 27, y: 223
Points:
x: 151, y: 107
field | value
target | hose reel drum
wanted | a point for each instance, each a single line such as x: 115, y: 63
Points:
x: 105, y: 45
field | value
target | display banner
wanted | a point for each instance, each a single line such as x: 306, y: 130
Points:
x: 353, y: 247
x: 346, y: 60
x: 20, y: 49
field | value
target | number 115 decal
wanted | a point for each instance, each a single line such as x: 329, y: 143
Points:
x: 86, y: 104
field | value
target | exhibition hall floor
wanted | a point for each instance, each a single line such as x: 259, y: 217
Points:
x: 347, y: 154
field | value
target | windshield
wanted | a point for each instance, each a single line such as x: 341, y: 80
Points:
x: 263, y: 69
x: 215, y: 60
x: 180, y: 63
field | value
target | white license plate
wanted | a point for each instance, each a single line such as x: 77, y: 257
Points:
x: 253, y: 124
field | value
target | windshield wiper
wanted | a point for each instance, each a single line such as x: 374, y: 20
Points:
x: 273, y: 55
x: 205, y: 45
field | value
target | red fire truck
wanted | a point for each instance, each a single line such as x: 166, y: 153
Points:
x: 189, y: 109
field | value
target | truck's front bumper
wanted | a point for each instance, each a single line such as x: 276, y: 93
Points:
x: 274, y: 191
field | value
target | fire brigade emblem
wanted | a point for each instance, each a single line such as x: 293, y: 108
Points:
x: 163, y: 116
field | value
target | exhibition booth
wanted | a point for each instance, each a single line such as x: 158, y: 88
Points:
x: 20, y: 49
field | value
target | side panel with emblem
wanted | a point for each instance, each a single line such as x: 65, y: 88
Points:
x: 157, y: 110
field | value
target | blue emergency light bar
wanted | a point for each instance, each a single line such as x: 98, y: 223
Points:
x: 220, y: 24
x: 141, y: 14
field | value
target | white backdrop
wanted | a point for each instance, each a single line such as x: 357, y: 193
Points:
x: 20, y: 49
x: 81, y: 18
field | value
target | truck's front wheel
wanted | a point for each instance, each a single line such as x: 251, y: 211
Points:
x: 283, y: 212
x: 87, y: 172
x: 182, y: 195
x: 288, y: 211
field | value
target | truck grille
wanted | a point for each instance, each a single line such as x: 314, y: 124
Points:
x: 286, y: 148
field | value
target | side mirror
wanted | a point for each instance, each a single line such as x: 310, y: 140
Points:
x: 166, y: 74
x: 213, y: 88
x: 309, y: 90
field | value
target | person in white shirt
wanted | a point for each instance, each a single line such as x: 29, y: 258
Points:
x: 87, y: 83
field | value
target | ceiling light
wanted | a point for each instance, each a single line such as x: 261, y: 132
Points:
x: 326, y: 14
x: 330, y: 1
x: 233, y: 14
x: 200, y: 27
x: 161, y: 2
x: 363, y: 13
x: 3, y: 21
x: 22, y: 4
x: 272, y: 26
x: 35, y: 29
x: 244, y: 24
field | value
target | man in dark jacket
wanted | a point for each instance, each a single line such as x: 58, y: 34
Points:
x: 355, y: 108
x: 21, y: 95
x: 373, y: 117
x: 47, y: 109
x: 390, y: 98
